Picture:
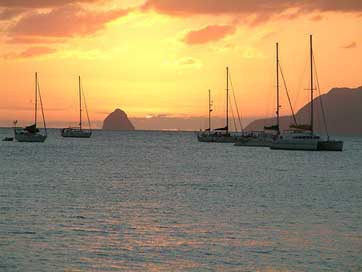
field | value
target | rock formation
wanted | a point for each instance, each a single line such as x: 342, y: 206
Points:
x: 117, y: 121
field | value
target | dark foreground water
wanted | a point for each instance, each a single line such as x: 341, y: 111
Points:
x: 161, y: 201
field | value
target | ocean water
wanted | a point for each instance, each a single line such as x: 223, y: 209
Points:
x: 161, y: 201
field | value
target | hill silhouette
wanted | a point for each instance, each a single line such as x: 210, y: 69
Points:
x: 343, y: 108
x: 118, y: 121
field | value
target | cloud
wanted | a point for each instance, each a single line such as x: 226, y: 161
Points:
x: 161, y: 115
x: 31, y: 52
x: 35, y: 40
x: 185, y: 63
x: 316, y: 18
x: 67, y: 21
x: 336, y: 5
x: 268, y: 35
x: 10, y: 9
x: 350, y: 45
x: 10, y: 13
x: 188, y: 62
x: 208, y: 34
x: 40, y: 3
x: 262, y: 10
x: 206, y: 7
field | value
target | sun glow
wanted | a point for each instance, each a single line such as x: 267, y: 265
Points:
x: 155, y: 61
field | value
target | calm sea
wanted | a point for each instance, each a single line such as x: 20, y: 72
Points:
x: 161, y: 201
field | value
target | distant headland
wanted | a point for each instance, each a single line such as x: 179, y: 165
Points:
x: 117, y: 121
x: 343, y: 110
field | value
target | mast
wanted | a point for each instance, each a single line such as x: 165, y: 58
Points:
x: 227, y: 100
x: 210, y: 110
x: 80, y: 105
x: 311, y: 86
x: 278, y: 118
x: 36, y: 97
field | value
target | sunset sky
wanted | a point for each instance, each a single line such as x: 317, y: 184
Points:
x: 156, y: 59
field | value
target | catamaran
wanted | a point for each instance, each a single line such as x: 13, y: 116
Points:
x: 32, y: 133
x: 303, y: 137
x: 79, y: 132
x: 219, y: 135
x: 263, y: 138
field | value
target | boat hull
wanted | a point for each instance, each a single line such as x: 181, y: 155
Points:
x: 253, y: 143
x: 255, y: 140
x: 311, y: 145
x: 213, y: 138
x: 330, y: 145
x: 30, y: 138
x: 70, y: 133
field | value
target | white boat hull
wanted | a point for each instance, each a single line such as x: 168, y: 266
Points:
x: 255, y: 140
x: 296, y: 140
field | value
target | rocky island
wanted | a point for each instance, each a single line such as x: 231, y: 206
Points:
x: 117, y: 121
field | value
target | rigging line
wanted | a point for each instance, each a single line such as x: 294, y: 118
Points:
x: 320, y: 99
x: 299, y: 86
x: 86, y: 108
x: 36, y: 98
x: 236, y: 105
x: 231, y: 104
x: 42, y: 110
x: 233, y: 116
x: 318, y: 114
x: 270, y: 96
x: 286, y: 90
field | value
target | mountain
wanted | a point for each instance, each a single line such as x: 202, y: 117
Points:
x: 117, y: 120
x: 343, y: 110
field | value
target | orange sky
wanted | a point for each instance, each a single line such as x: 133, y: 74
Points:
x: 159, y: 57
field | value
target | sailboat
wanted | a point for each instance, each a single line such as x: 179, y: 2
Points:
x: 263, y: 138
x: 79, y: 132
x: 32, y: 133
x: 219, y: 135
x: 303, y: 137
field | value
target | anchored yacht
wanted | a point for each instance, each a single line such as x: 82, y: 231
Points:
x: 79, y: 132
x: 31, y: 133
